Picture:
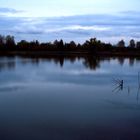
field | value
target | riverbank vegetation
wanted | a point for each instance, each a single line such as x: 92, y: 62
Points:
x: 91, y: 46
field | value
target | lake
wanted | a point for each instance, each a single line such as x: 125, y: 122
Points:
x: 69, y: 98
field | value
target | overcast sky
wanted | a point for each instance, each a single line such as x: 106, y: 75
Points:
x: 78, y: 20
x: 39, y: 8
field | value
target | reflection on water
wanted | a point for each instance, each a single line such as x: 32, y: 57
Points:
x: 69, y: 98
x: 89, y: 62
x: 119, y: 87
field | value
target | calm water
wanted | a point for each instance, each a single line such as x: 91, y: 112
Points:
x: 69, y: 99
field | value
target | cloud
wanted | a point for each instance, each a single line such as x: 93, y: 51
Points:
x: 109, y: 28
x: 80, y: 27
x: 27, y: 30
x: 8, y: 10
x: 132, y: 13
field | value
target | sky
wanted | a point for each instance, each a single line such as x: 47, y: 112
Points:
x: 47, y: 20
x: 39, y: 8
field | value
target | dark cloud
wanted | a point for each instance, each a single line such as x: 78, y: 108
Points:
x: 107, y: 27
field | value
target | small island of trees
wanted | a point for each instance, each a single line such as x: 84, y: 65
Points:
x: 91, y: 46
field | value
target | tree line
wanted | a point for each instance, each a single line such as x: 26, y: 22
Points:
x: 7, y: 43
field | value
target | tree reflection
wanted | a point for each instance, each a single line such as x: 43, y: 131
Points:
x: 89, y: 61
x: 7, y: 65
x: 131, y: 61
x: 121, y: 60
x: 138, y: 86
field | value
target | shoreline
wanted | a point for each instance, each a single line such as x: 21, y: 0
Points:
x: 69, y: 53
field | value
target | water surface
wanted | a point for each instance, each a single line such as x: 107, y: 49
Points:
x: 69, y: 98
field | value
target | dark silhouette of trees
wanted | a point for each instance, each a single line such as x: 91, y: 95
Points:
x: 59, y: 44
x: 72, y: 44
x: 132, y: 43
x: 7, y: 42
x: 23, y: 44
x: 91, y: 46
x: 138, y: 45
x: 121, y: 44
x: 10, y: 42
x: 2, y: 42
